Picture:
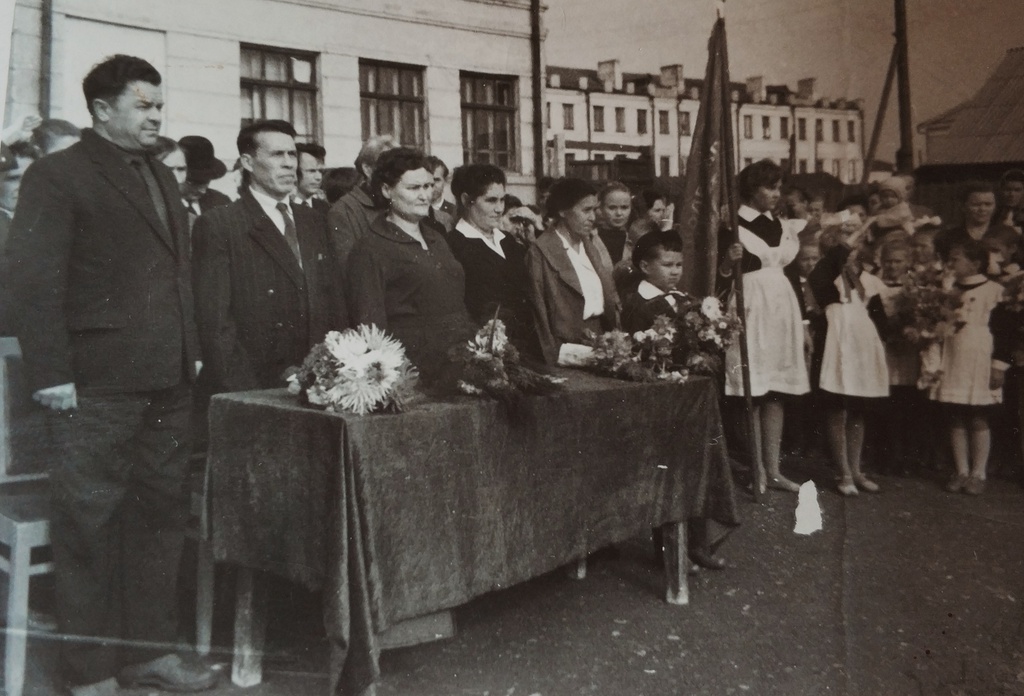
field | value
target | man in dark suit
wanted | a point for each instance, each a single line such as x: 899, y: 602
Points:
x: 267, y: 284
x: 442, y: 211
x: 102, y: 305
x: 202, y: 167
x: 310, y: 173
x: 349, y: 219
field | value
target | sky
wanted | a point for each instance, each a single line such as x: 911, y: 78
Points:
x: 846, y: 44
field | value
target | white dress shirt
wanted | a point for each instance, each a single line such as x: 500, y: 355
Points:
x: 590, y: 282
x: 269, y: 206
x: 467, y: 230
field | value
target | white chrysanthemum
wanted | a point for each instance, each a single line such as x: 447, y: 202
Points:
x: 369, y: 369
x: 711, y: 308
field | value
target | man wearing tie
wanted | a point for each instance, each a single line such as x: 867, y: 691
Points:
x: 267, y: 283
x: 101, y: 301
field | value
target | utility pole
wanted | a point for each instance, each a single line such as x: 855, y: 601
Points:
x: 905, y: 155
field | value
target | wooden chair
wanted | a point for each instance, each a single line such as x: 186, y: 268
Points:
x: 24, y: 506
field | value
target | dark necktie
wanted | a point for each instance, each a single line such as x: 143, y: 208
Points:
x: 289, y: 231
x: 152, y: 188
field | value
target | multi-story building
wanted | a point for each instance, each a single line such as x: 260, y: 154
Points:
x: 453, y: 78
x: 603, y: 114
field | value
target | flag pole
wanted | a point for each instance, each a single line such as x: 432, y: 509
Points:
x: 729, y: 155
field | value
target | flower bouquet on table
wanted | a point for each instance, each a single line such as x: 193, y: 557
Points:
x: 489, y: 364
x: 926, y: 313
x: 646, y: 356
x: 361, y: 370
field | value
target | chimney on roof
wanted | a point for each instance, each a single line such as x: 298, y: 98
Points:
x: 755, y: 89
x: 672, y: 76
x: 610, y: 73
x: 807, y: 89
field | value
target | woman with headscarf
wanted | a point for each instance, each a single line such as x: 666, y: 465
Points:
x: 571, y: 286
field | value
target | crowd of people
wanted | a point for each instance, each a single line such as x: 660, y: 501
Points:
x: 137, y: 291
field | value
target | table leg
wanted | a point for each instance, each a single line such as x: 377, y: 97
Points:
x: 676, y: 563
x: 578, y: 570
x: 250, y: 628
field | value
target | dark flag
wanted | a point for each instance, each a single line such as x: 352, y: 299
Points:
x: 710, y: 170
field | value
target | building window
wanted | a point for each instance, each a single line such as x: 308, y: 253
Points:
x: 851, y: 131
x: 748, y: 127
x: 620, y: 119
x: 277, y: 84
x: 801, y: 129
x: 641, y: 121
x: 391, y: 102
x: 684, y: 123
x: 568, y: 117
x: 837, y: 137
x: 803, y: 166
x: 819, y: 130
x: 663, y: 122
x: 599, y: 157
x: 599, y: 119
x: 489, y: 119
x: 853, y: 172
x: 547, y: 114
x: 665, y: 164
x: 784, y: 128
x: 836, y: 165
x: 819, y: 165
x: 766, y: 128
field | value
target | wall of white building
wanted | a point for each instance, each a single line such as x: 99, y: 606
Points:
x: 196, y: 46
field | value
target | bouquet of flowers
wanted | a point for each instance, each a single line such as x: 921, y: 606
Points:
x: 926, y: 313
x: 646, y: 356
x: 708, y: 330
x: 361, y: 370
x: 491, y: 365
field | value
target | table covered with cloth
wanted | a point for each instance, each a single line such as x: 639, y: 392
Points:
x: 398, y: 516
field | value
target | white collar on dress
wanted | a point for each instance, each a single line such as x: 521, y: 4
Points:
x: 750, y: 214
x: 648, y: 290
x: 469, y: 231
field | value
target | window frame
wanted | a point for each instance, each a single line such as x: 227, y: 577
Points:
x: 400, y: 99
x: 599, y: 124
x: 851, y: 130
x: 468, y: 109
x: 685, y: 124
x: 748, y: 127
x: 664, y: 128
x: 568, y: 117
x: 837, y: 133
x: 260, y: 85
x: 641, y: 121
x: 766, y: 128
x: 620, y: 119
x: 784, y: 127
x: 801, y: 129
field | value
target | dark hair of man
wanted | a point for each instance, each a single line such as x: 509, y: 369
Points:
x: 436, y: 162
x: 566, y: 193
x: 52, y: 129
x: 650, y: 246
x: 164, y: 146
x: 318, y: 152
x: 474, y: 180
x: 512, y: 202
x: 392, y: 165
x: 801, y: 193
x: 972, y: 250
x: 761, y: 173
x: 1012, y: 175
x: 972, y: 187
x: 246, y: 141
x: 108, y: 80
x: 610, y: 188
x: 339, y: 181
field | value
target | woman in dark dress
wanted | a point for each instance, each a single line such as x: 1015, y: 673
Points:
x: 494, y: 263
x: 403, y: 276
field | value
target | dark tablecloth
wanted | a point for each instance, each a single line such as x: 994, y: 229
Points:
x: 398, y: 516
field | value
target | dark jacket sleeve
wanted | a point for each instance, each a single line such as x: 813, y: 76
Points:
x: 38, y: 254
x: 226, y: 365
x: 365, y: 288
x: 823, y: 278
x: 538, y: 276
x: 1005, y: 325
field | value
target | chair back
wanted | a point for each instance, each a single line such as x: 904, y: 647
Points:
x: 25, y: 443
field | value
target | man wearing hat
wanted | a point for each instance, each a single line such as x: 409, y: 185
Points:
x: 203, y: 167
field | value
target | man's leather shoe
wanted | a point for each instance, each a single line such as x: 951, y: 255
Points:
x: 107, y: 687
x: 183, y: 674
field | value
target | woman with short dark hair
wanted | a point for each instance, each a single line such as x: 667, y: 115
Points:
x: 494, y: 263
x: 402, y: 275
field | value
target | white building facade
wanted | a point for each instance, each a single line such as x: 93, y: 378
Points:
x: 595, y: 115
x: 451, y: 78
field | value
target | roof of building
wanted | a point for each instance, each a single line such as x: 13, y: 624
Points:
x: 988, y: 127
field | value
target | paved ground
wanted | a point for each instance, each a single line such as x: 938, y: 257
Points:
x: 913, y: 591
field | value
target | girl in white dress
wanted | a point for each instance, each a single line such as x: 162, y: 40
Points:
x: 854, y: 373
x: 971, y: 381
x: 775, y: 332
